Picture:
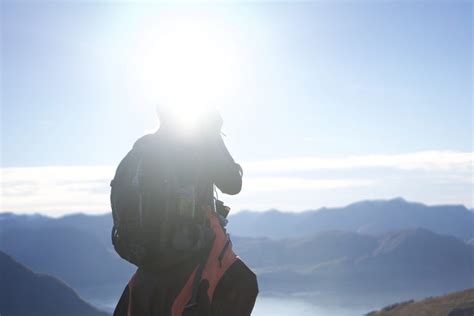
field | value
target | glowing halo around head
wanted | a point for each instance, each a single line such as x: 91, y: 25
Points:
x: 187, y: 121
x: 187, y: 65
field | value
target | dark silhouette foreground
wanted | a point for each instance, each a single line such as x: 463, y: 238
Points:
x: 168, y: 223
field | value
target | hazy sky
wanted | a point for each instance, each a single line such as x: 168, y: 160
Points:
x: 324, y: 102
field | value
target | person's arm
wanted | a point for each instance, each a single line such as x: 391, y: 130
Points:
x: 226, y: 174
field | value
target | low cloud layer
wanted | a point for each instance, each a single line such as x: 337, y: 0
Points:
x: 290, y: 184
x: 426, y: 160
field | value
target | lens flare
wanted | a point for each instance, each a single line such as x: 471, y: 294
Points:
x: 187, y: 65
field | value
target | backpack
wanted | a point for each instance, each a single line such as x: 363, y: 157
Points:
x: 157, y: 219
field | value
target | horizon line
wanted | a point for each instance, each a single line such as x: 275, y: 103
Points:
x: 102, y: 213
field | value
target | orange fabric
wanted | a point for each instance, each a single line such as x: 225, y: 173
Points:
x: 213, y: 270
x: 184, y: 296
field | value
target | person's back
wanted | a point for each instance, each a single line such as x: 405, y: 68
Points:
x: 166, y: 284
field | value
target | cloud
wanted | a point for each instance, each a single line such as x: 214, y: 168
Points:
x: 19, y: 188
x: 56, y: 190
x: 274, y: 184
x: 424, y: 176
x: 423, y: 161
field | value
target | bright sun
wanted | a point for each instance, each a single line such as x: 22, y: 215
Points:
x: 186, y: 64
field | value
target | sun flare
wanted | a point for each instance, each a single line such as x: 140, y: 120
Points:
x: 187, y: 65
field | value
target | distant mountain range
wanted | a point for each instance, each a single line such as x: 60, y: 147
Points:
x: 371, y: 251
x: 361, y: 268
x: 98, y: 226
x: 25, y: 293
x: 369, y: 217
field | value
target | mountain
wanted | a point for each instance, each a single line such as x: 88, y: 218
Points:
x: 76, y: 256
x: 368, y: 251
x: 322, y: 247
x: 370, y: 217
x: 367, y: 217
x: 99, y: 226
x: 453, y: 304
x: 361, y: 268
x: 25, y: 293
x: 338, y: 265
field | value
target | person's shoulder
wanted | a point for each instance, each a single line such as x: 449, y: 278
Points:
x: 144, y: 141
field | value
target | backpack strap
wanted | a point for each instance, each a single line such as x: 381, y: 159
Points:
x: 197, y: 279
x: 212, y: 267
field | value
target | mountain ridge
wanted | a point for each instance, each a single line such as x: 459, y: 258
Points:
x: 368, y: 216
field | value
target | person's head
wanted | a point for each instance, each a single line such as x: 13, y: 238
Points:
x: 188, y: 121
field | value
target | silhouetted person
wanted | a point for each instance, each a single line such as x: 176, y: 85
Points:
x: 168, y: 223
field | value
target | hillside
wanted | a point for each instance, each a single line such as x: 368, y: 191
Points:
x: 454, y: 304
x: 25, y: 293
x: 73, y: 255
x: 322, y: 247
x: 362, y: 268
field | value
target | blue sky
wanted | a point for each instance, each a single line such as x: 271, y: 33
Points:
x: 387, y: 82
